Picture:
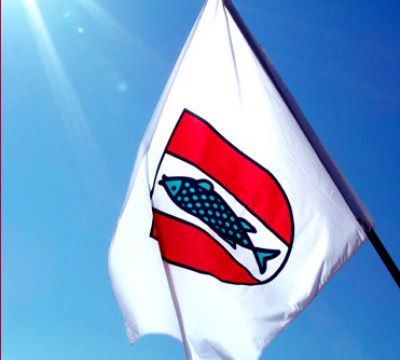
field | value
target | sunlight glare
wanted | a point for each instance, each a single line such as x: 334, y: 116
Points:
x: 106, y: 20
x: 74, y: 119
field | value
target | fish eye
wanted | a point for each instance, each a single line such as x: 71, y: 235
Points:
x: 173, y: 188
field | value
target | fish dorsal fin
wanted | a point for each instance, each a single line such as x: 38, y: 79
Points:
x: 205, y: 184
x: 247, y: 226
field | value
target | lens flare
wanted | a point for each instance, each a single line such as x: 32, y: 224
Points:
x: 106, y: 20
x: 122, y: 86
x: 74, y: 119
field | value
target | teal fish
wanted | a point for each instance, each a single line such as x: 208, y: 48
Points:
x: 198, y: 198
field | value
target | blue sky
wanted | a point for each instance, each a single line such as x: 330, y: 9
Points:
x: 80, y: 79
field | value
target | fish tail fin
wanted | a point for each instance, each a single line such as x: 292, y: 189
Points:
x: 263, y: 256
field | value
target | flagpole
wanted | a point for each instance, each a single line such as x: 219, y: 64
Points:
x: 341, y: 182
x: 333, y: 170
x: 384, y: 255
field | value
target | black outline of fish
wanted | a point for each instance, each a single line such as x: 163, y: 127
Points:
x: 205, y: 188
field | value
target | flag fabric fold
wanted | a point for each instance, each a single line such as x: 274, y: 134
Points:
x: 231, y: 224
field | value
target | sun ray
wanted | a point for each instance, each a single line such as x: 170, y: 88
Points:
x: 103, y: 18
x: 74, y: 120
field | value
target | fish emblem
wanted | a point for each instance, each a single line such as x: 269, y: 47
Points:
x: 198, y: 198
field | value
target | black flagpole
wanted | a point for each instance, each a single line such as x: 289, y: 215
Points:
x: 329, y: 164
x: 384, y: 255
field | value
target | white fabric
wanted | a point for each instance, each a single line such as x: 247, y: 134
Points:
x: 219, y: 78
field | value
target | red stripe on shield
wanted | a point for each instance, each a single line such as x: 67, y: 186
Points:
x: 198, y: 143
x: 192, y: 248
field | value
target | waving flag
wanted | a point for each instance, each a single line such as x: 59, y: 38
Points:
x: 233, y: 221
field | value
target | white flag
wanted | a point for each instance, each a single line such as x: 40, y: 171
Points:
x: 232, y: 224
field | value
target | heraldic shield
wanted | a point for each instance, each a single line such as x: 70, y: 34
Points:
x: 216, y: 211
